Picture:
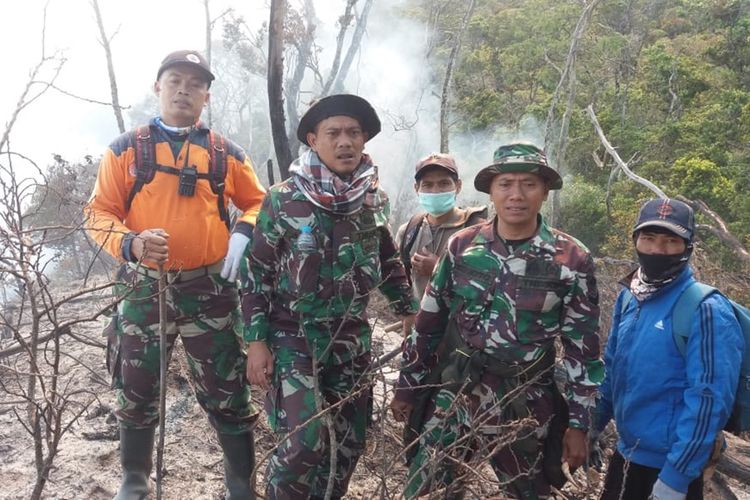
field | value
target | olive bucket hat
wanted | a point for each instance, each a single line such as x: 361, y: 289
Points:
x: 517, y: 157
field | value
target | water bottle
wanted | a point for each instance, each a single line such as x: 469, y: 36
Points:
x: 306, y: 240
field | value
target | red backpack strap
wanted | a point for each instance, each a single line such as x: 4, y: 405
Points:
x: 144, y: 143
x: 217, y: 154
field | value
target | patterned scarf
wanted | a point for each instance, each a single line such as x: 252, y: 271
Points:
x: 330, y: 192
x: 642, y: 289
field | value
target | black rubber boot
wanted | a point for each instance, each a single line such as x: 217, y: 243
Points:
x: 239, y: 460
x: 136, y: 447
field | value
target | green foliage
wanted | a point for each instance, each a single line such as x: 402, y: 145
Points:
x: 701, y: 179
x: 584, y: 213
x: 670, y: 83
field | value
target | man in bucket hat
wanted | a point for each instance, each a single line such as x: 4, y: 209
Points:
x: 321, y: 246
x: 670, y: 404
x: 161, y: 200
x: 506, y: 289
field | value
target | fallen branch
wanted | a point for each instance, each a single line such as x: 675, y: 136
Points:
x: 616, y: 157
x: 720, y: 230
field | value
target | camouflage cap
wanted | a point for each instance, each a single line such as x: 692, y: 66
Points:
x: 517, y: 157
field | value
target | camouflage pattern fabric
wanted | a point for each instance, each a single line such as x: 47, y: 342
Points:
x: 319, y: 282
x: 204, y: 312
x: 310, y: 274
x: 300, y: 467
x: 511, y: 305
x: 468, y: 429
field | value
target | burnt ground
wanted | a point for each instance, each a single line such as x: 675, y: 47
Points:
x: 87, y: 465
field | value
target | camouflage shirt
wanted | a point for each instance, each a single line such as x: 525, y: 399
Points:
x: 311, y: 273
x: 513, y: 305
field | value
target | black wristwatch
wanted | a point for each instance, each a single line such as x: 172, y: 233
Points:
x: 126, y: 247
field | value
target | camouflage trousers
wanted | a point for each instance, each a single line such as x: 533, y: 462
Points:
x: 203, y: 309
x: 300, y: 465
x: 479, y: 427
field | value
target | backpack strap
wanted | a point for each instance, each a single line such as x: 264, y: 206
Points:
x: 145, y: 160
x: 476, y: 217
x: 407, y: 241
x: 682, y: 313
x: 217, y: 155
x: 144, y: 143
x: 627, y: 297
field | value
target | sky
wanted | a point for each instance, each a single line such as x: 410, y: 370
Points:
x: 390, y: 72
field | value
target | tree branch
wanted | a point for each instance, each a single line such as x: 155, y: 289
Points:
x: 616, y: 157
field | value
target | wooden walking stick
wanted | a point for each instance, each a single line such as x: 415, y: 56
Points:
x: 162, y: 377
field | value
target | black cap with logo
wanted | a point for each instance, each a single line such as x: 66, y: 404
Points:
x: 189, y: 57
x: 669, y: 214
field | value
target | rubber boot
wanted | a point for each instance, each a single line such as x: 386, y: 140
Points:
x: 136, y: 447
x: 239, y: 460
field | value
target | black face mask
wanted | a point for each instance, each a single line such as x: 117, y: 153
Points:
x: 659, y: 268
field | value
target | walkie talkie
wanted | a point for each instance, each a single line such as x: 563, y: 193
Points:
x: 188, y: 177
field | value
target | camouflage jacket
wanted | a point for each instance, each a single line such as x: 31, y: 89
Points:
x: 311, y: 273
x: 512, y: 306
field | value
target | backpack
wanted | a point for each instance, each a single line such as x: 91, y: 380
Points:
x: 682, y: 316
x: 412, y: 229
x: 146, y: 166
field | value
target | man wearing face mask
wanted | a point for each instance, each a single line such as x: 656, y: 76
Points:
x: 424, y: 239
x: 670, y: 405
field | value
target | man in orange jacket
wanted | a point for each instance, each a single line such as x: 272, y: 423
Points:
x: 158, y: 201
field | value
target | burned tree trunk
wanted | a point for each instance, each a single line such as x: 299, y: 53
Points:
x: 445, y: 95
x: 359, y: 31
x: 208, y: 53
x: 275, y: 86
x: 344, y: 21
x: 569, y: 75
x: 104, y: 41
x: 304, y: 51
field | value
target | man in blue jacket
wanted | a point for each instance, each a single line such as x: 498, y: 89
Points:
x: 669, y: 407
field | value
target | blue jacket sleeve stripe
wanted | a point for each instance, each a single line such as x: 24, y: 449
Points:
x: 707, y: 344
x: 699, y: 434
x: 705, y: 411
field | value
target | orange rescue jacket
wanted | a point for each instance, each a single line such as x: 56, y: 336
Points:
x: 197, y: 235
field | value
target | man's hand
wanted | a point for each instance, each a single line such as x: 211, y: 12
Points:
x: 151, y: 245
x: 407, y: 323
x: 238, y: 243
x: 424, y: 262
x: 401, y: 410
x: 259, y: 364
x: 574, y: 447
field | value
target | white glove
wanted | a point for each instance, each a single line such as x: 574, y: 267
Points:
x: 663, y: 492
x: 238, y: 242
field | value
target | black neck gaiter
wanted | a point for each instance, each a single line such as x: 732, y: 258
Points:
x: 661, y: 268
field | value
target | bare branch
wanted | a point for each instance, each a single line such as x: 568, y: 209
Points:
x: 720, y: 229
x: 354, y: 45
x: 104, y: 40
x: 344, y: 22
x: 616, y: 157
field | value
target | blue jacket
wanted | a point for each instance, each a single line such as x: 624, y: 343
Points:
x: 668, y: 407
